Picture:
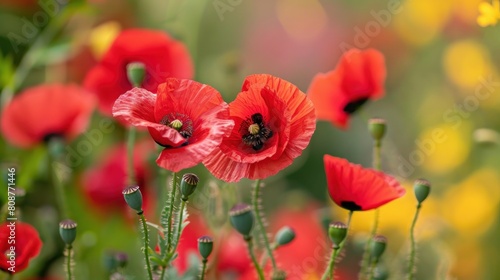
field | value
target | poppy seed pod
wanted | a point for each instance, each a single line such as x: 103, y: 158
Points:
x: 242, y: 218
x: 378, y: 245
x: 133, y: 197
x: 189, y: 182
x: 421, y: 188
x: 205, y: 246
x: 377, y: 128
x: 284, y: 236
x: 337, y: 232
x: 136, y: 72
x: 67, y: 230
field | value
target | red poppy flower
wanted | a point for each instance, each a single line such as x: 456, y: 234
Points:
x: 104, y: 183
x: 189, y: 119
x: 358, y: 77
x: 162, y: 56
x: 44, y: 111
x: 358, y: 189
x: 27, y: 246
x: 274, y: 122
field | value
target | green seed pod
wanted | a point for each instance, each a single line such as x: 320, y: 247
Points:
x: 133, y: 197
x: 377, y: 128
x: 421, y: 188
x: 205, y: 246
x: 337, y: 232
x: 284, y: 236
x: 136, y: 72
x: 67, y: 230
x: 242, y: 218
x: 378, y: 245
x: 189, y: 182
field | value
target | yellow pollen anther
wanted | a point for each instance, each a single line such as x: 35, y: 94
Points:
x: 176, y: 124
x: 253, y: 129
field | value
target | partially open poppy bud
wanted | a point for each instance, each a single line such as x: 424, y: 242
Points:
x: 422, y: 188
x: 377, y: 128
x: 136, y: 72
x: 379, y: 243
x: 133, y: 197
x: 205, y: 246
x: 67, y: 230
x: 284, y: 236
x: 189, y: 182
x: 242, y: 218
x: 337, y: 232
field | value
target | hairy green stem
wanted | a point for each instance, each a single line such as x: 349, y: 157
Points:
x: 171, y: 211
x: 69, y: 253
x: 179, y: 227
x: 411, y: 263
x: 203, y: 268
x: 260, y: 224
x: 330, y: 270
x: 372, y: 269
x: 130, y: 156
x: 146, y: 245
x: 263, y: 259
x: 254, y: 260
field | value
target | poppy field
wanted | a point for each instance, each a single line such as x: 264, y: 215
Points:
x: 233, y: 139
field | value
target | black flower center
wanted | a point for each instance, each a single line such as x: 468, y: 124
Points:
x: 179, y: 122
x: 254, y: 132
x: 353, y: 106
x: 350, y: 205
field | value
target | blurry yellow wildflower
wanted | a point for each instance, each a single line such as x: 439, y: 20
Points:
x: 303, y: 20
x: 489, y: 13
x: 102, y: 36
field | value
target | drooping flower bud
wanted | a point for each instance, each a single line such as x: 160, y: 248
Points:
x: 378, y: 245
x: 284, y: 236
x: 189, y: 182
x: 337, y: 232
x: 242, y: 218
x: 421, y: 188
x: 67, y: 230
x: 377, y: 128
x: 136, y: 72
x: 133, y: 197
x: 205, y: 246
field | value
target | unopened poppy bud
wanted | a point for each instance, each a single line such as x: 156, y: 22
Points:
x: 67, y: 230
x: 242, y: 219
x: 337, y: 232
x: 284, y: 236
x: 205, y: 246
x: 121, y: 259
x: 379, y: 243
x: 377, y: 128
x: 421, y: 188
x: 189, y: 182
x: 136, y: 72
x: 278, y: 275
x: 133, y: 197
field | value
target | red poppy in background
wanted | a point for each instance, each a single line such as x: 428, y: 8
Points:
x: 162, y: 56
x: 358, y: 189
x: 45, y: 111
x: 274, y: 122
x: 187, y: 118
x: 358, y: 77
x: 104, y: 182
x: 27, y: 245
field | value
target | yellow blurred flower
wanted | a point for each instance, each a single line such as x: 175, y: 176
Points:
x: 102, y: 36
x: 489, y: 13
x: 303, y: 20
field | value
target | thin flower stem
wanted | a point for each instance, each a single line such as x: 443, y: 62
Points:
x: 411, y: 264
x: 10, y: 276
x: 263, y: 259
x: 69, y: 253
x: 365, y: 260
x: 179, y: 227
x: 170, y: 212
x: 130, y: 155
x: 163, y: 269
x: 330, y: 271
x: 260, y: 224
x: 203, y: 268
x: 372, y: 269
x: 146, y: 245
x: 254, y: 260
x: 59, y: 188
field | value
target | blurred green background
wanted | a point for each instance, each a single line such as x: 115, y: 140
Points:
x: 442, y: 76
